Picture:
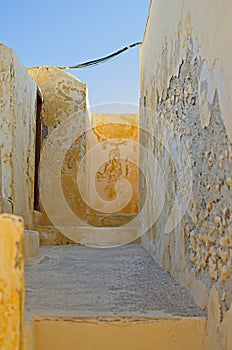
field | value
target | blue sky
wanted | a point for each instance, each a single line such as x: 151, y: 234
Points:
x: 49, y: 32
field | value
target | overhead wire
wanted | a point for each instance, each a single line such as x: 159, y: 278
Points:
x: 98, y: 61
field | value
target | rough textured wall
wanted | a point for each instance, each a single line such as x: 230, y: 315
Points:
x: 186, y: 104
x: 11, y: 283
x: 63, y: 96
x: 110, y: 135
x: 17, y: 137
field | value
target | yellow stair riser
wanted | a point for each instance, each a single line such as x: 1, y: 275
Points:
x: 116, y: 334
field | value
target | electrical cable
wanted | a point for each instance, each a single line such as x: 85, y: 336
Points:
x: 100, y: 60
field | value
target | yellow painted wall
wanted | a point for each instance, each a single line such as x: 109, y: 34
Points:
x: 11, y: 283
x: 63, y: 96
x: 186, y: 91
x: 17, y: 137
x: 110, y: 163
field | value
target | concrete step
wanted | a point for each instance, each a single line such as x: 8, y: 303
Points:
x: 89, y: 235
x: 31, y: 247
x: 109, y: 333
x: 118, y: 298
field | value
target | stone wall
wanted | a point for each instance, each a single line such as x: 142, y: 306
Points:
x: 65, y: 112
x: 63, y: 96
x: 186, y: 112
x: 17, y: 137
x: 107, y: 163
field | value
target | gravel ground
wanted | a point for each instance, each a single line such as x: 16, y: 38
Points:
x: 76, y: 281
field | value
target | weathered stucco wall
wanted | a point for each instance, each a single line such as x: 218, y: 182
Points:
x: 108, y: 163
x: 63, y: 95
x: 186, y: 104
x: 11, y: 283
x: 17, y: 137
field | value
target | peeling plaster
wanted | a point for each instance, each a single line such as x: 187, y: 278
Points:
x: 186, y: 84
x: 17, y: 136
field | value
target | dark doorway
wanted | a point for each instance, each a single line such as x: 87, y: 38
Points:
x: 38, y: 141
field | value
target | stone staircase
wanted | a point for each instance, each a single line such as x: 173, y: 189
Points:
x: 86, y: 298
